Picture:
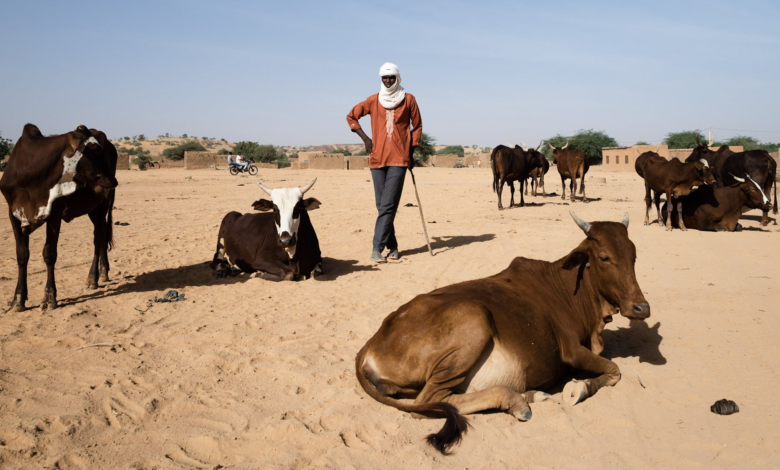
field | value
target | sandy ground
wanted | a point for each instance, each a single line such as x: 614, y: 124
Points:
x: 253, y: 374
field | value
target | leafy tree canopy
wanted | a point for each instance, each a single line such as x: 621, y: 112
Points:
x: 684, y: 139
x: 343, y: 151
x: 424, y: 151
x: 259, y: 153
x: 589, y: 142
x: 177, y: 153
x: 5, y: 146
x: 641, y: 142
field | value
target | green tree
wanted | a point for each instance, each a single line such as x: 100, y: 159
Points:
x: 5, y: 146
x: 458, y: 149
x: 363, y: 153
x: 184, y: 136
x: 751, y: 143
x: 141, y: 137
x: 684, y: 139
x: 425, y: 149
x: 588, y: 141
x: 259, y: 153
x: 343, y: 151
x: 177, y: 153
x: 223, y: 152
x: 641, y: 142
x: 141, y: 160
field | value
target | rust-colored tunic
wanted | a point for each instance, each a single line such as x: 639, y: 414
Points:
x: 392, y: 150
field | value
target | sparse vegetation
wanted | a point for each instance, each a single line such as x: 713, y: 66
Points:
x: 343, y: 151
x: 588, y: 141
x: 641, y: 142
x: 456, y: 149
x: 5, y: 147
x: 260, y: 153
x: 141, y: 137
x: 141, y: 160
x: 487, y: 150
x: 133, y: 151
x: 184, y: 136
x: 127, y: 138
x: 684, y: 139
x: 177, y: 153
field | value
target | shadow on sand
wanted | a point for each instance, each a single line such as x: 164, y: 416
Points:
x: 447, y: 243
x: 638, y: 339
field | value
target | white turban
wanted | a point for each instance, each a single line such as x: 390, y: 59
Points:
x: 391, y: 97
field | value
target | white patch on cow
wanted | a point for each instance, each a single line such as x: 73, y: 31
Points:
x: 498, y: 369
x: 92, y: 140
x: 766, y: 199
x: 285, y: 200
x: 19, y: 214
x: 706, y: 165
x: 64, y: 187
x: 221, y: 249
x: 230, y: 263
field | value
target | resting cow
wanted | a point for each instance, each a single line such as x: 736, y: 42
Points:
x: 670, y: 177
x: 761, y: 168
x: 537, y: 178
x: 571, y: 164
x: 281, y: 245
x: 718, y: 209
x: 497, y: 342
x: 51, y: 179
x: 510, y: 165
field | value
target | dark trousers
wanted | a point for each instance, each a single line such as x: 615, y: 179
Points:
x: 388, y: 185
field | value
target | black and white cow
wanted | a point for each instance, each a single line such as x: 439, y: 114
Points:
x: 280, y: 243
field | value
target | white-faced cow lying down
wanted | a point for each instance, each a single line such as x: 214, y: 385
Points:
x: 281, y: 244
x: 495, y: 343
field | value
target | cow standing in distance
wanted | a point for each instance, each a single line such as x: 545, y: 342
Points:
x: 670, y: 177
x: 709, y: 208
x: 498, y: 342
x: 280, y: 243
x: 513, y: 164
x: 51, y: 179
x: 571, y: 164
x: 537, y: 178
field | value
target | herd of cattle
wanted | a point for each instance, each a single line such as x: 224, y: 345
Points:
x: 709, y: 191
x: 493, y: 343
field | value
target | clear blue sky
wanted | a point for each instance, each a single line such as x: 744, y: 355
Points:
x: 287, y: 73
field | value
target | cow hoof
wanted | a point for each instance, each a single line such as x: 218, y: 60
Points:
x: 541, y: 396
x: 104, y: 278
x: 521, y: 413
x: 49, y: 302
x: 575, y: 392
x: 16, y: 305
x: 91, y: 286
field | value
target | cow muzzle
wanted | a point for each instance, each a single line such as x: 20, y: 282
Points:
x: 639, y: 311
x: 108, y: 182
x: 286, y: 240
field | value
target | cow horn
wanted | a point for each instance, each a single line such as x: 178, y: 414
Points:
x: 525, y: 147
x: 625, y: 220
x: 263, y: 187
x: 706, y: 165
x: 741, y: 180
x: 551, y: 145
x: 567, y: 144
x: 638, y: 151
x: 582, y: 224
x: 538, y: 146
x: 697, y: 140
x: 712, y: 140
x: 308, y: 186
x: 657, y: 149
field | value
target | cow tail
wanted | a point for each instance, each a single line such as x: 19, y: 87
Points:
x: 455, y: 424
x: 493, y: 167
x: 774, y: 208
x: 110, y: 221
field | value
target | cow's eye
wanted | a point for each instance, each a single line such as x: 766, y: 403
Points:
x: 604, y: 259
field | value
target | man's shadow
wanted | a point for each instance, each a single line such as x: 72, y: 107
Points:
x: 439, y: 243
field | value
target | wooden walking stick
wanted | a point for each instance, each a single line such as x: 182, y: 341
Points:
x: 419, y: 205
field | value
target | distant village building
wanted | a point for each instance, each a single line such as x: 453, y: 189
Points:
x: 623, y: 158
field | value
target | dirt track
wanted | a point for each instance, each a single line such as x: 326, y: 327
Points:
x: 252, y: 374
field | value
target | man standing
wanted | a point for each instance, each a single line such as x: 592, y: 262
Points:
x: 391, y: 151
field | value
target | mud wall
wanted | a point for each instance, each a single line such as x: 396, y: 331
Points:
x: 444, y: 161
x: 204, y: 160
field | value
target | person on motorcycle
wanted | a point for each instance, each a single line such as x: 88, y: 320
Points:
x: 241, y: 163
x: 230, y: 160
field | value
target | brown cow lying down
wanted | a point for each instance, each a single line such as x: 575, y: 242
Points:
x: 495, y: 343
x: 282, y: 244
x: 718, y: 209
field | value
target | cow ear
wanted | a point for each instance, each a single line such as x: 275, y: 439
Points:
x: 263, y: 205
x: 74, y: 141
x: 577, y: 257
x: 311, y: 204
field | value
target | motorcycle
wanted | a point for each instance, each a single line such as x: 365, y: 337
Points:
x: 251, y: 169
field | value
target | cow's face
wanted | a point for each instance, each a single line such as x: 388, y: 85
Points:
x: 704, y: 171
x: 287, y: 205
x: 610, y: 256
x: 754, y: 193
x: 88, y: 161
x: 536, y: 158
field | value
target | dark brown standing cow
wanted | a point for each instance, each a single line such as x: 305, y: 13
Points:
x: 282, y: 245
x: 672, y: 178
x: 718, y: 209
x: 643, y: 158
x: 497, y: 342
x: 571, y: 164
x: 714, y: 158
x: 513, y: 164
x: 51, y: 179
x: 537, y: 179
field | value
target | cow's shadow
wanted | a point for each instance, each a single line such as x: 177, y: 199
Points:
x: 447, y: 243
x: 196, y: 275
x: 638, y: 340
x: 758, y: 218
